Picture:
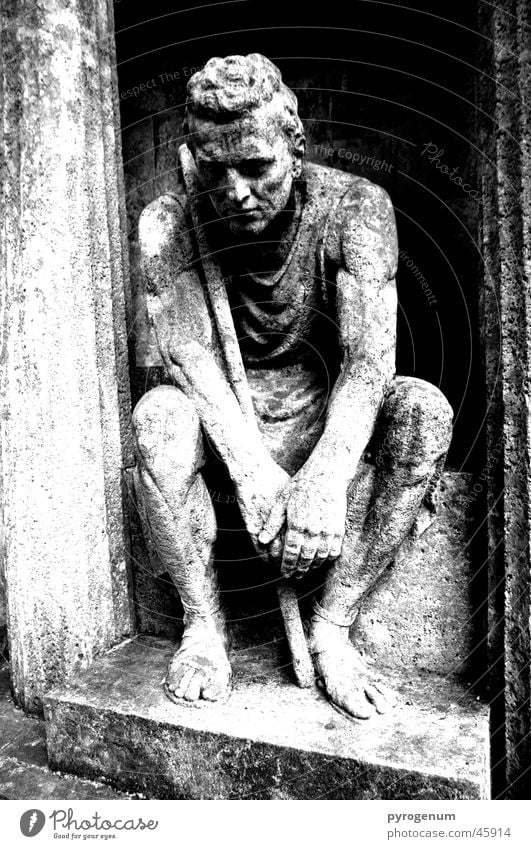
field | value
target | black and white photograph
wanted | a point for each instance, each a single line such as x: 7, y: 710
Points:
x: 265, y: 434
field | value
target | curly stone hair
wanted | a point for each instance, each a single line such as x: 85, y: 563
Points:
x: 230, y: 88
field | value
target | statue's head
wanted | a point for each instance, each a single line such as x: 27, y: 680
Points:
x: 247, y: 139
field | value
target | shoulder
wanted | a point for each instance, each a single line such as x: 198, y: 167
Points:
x: 328, y: 181
x: 366, y: 227
x: 360, y: 215
x: 366, y: 203
x: 163, y: 226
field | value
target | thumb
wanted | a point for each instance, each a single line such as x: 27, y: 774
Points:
x: 273, y: 523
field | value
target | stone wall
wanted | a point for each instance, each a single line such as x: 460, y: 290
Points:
x: 504, y: 124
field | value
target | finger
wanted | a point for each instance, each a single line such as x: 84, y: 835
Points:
x: 275, y: 549
x: 307, y: 555
x: 273, y: 523
x: 261, y: 550
x: 292, y: 547
x: 335, y: 547
x: 321, y: 554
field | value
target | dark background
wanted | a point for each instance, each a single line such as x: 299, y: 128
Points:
x: 377, y: 78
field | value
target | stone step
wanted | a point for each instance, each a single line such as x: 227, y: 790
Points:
x: 24, y: 772
x: 270, y: 740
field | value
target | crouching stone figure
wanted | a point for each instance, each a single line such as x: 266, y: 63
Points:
x: 270, y: 287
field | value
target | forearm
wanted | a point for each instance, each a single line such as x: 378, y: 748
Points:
x: 236, y: 439
x: 352, y: 411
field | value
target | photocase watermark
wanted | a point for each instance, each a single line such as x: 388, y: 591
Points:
x: 363, y: 159
x: 434, y: 155
x: 160, y: 80
x: 477, y: 488
x: 65, y: 825
x: 385, y: 449
x: 32, y: 822
x: 418, y: 275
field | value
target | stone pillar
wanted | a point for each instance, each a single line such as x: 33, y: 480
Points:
x: 504, y: 95
x: 64, y: 378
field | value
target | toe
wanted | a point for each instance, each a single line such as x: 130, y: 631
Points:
x: 217, y: 686
x: 213, y: 691
x: 377, y: 698
x: 358, y: 706
x: 174, y: 678
x: 388, y: 694
x: 186, y: 677
x: 193, y: 689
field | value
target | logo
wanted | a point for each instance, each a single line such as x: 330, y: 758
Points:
x: 32, y: 822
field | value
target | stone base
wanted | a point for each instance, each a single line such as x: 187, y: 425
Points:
x: 270, y: 740
x: 24, y: 772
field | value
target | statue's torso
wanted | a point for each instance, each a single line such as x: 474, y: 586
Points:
x: 286, y: 322
x: 287, y: 329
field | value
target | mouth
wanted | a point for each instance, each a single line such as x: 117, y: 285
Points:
x: 245, y: 218
x: 248, y: 214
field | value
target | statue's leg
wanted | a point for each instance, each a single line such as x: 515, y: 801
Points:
x: 182, y: 526
x: 413, y: 434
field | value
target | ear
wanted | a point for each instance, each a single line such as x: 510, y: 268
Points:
x: 297, y: 154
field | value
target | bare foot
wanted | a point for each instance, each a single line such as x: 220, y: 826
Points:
x: 348, y: 681
x: 200, y: 668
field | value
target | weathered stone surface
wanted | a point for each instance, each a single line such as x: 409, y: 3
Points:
x: 3, y: 608
x: 271, y: 740
x: 271, y: 288
x: 64, y: 383
x: 428, y: 611
x: 20, y: 781
x: 504, y: 96
x: 24, y: 771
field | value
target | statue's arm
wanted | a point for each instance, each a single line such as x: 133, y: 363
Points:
x: 187, y: 343
x: 366, y: 317
x: 315, y: 503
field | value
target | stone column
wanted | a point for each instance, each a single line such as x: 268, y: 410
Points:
x: 64, y: 379
x: 504, y: 95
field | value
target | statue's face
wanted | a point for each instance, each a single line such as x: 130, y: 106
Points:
x: 247, y: 168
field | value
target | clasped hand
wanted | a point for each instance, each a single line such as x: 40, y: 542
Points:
x: 306, y: 523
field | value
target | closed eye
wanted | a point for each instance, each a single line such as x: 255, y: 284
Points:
x: 254, y: 167
x: 215, y: 170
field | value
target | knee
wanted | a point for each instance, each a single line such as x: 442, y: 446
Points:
x: 418, y: 421
x: 164, y: 416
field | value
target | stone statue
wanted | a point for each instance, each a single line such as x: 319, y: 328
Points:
x: 270, y: 287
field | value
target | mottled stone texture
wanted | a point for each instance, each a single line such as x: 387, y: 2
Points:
x: 505, y: 96
x: 64, y: 382
x: 24, y: 771
x: 428, y: 612
x: 271, y: 740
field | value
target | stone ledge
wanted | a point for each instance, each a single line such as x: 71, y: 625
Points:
x: 271, y: 740
x: 24, y: 772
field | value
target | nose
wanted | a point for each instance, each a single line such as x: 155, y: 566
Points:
x: 237, y: 187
